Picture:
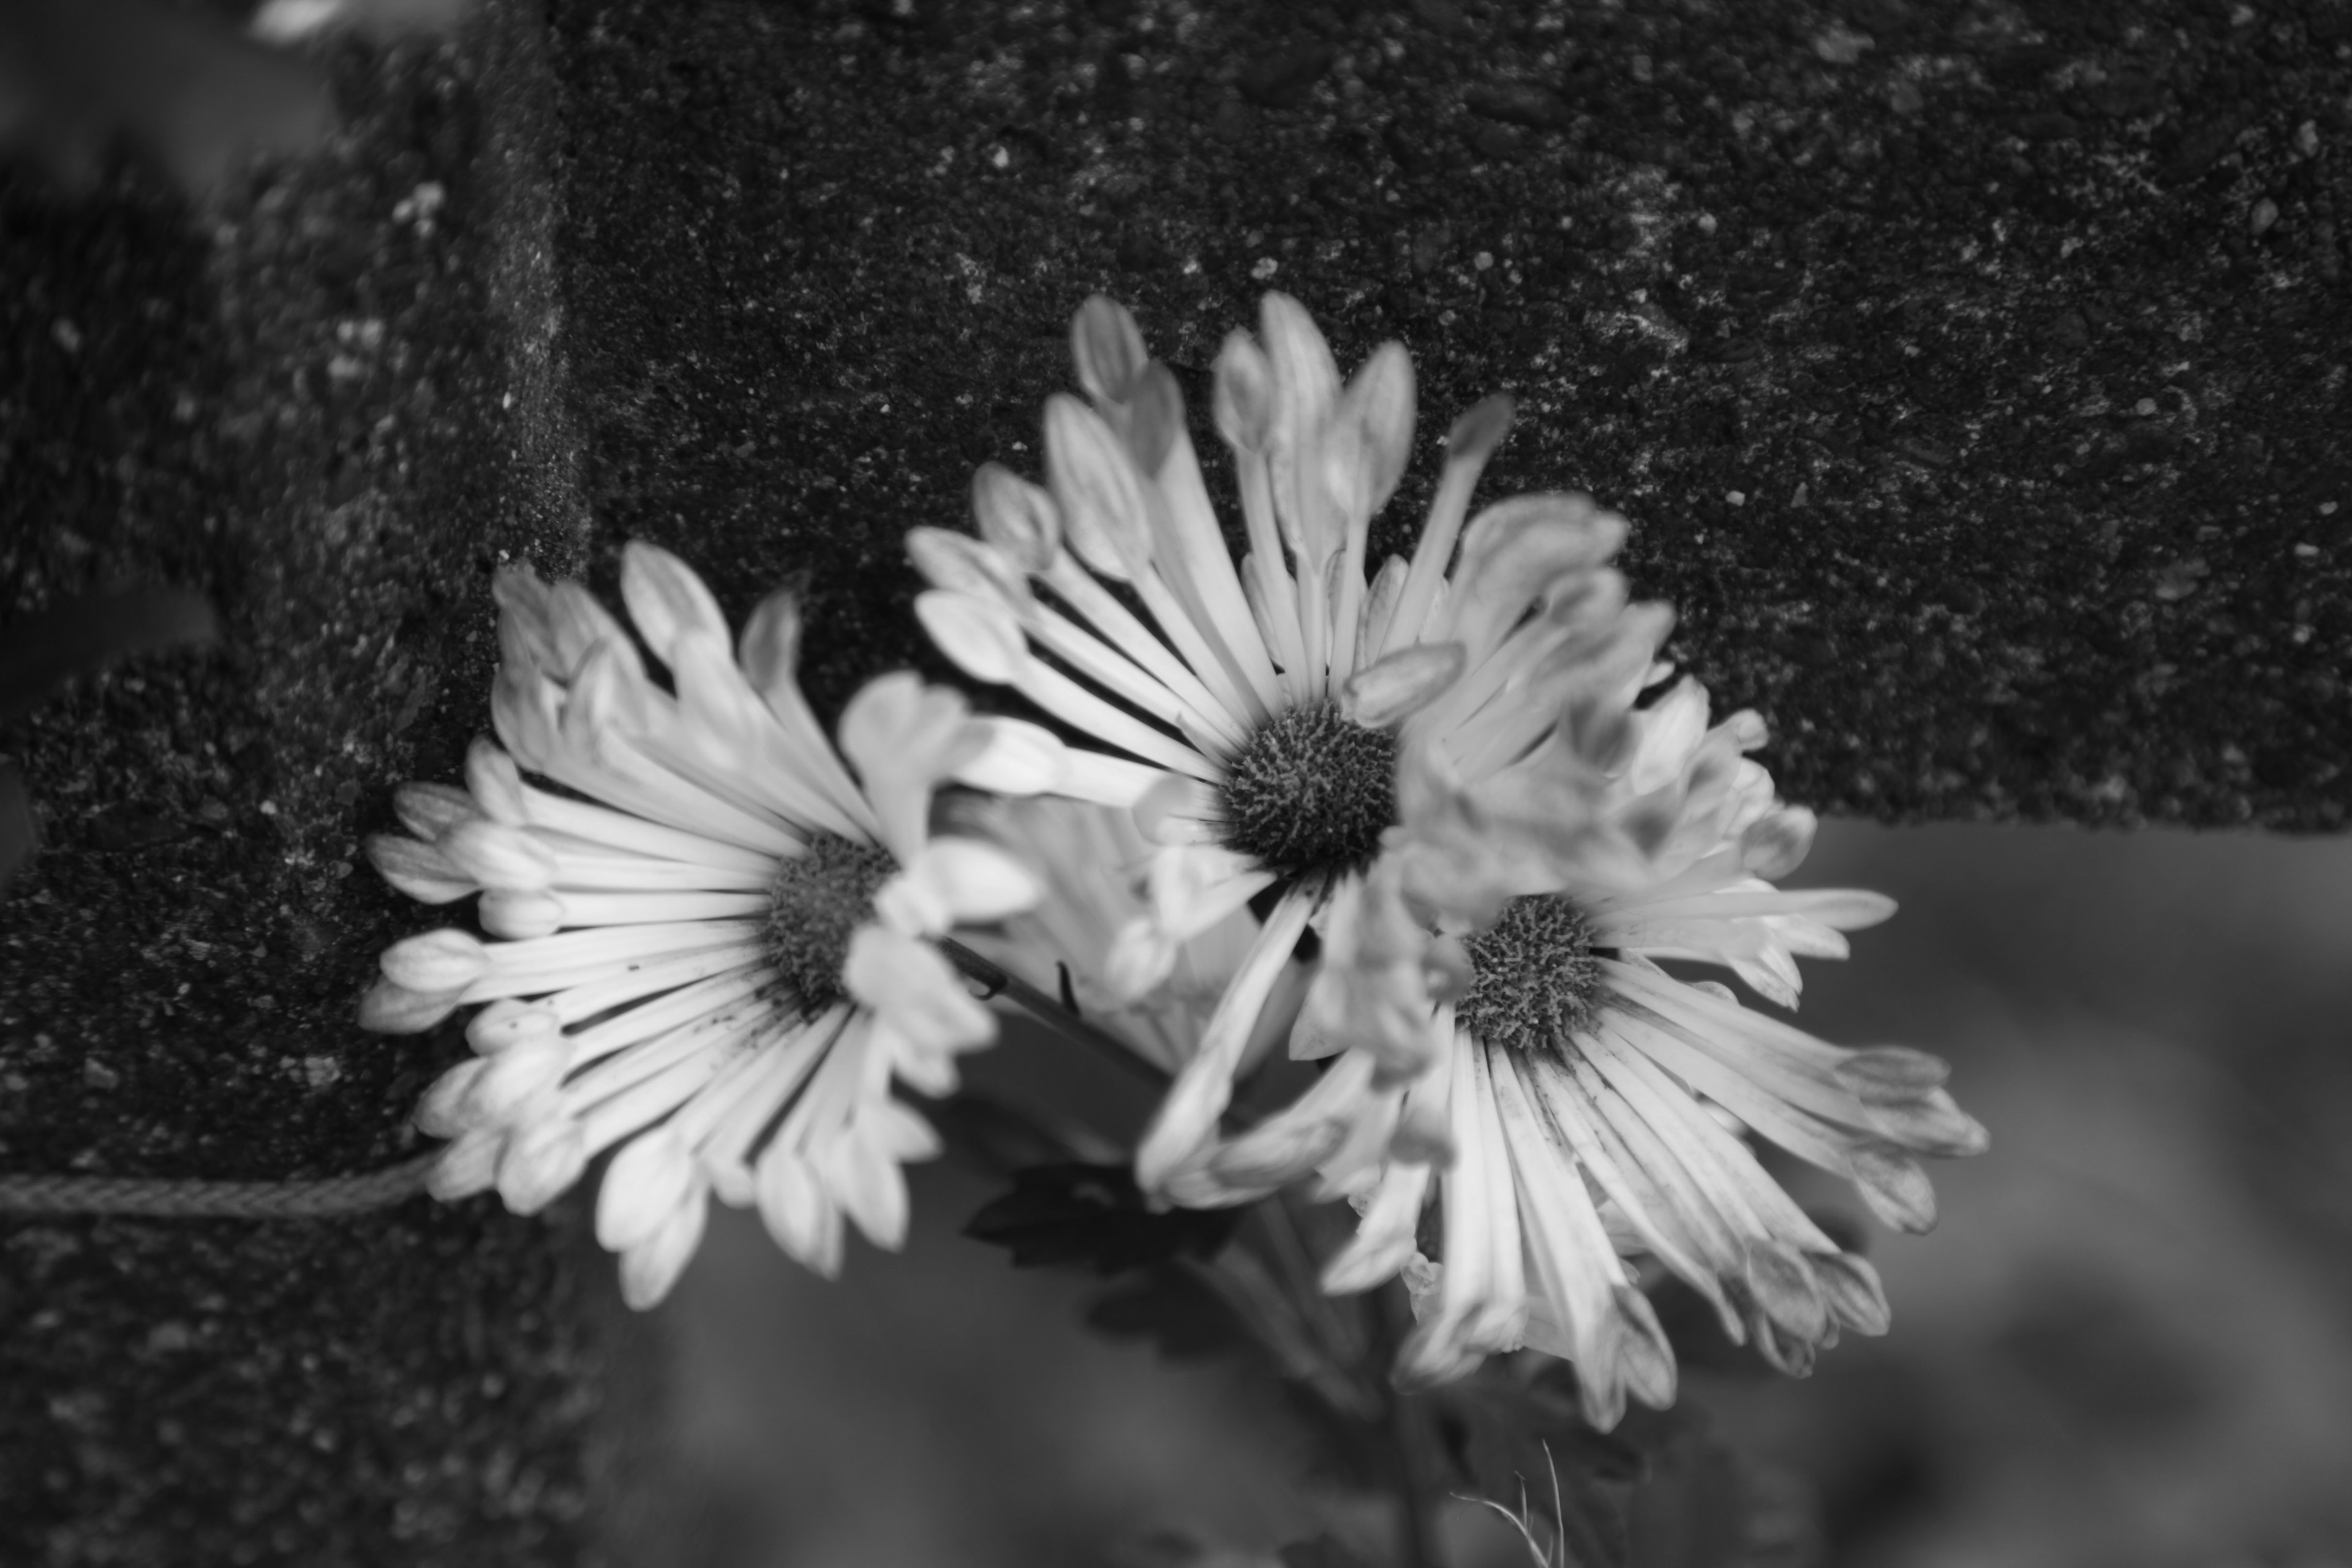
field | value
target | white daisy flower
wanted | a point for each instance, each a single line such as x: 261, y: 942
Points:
x: 1594, y: 1103
x: 1256, y: 721
x: 712, y: 946
x: 1092, y: 864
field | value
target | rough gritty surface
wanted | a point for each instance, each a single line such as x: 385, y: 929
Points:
x: 1974, y: 375
x: 325, y: 402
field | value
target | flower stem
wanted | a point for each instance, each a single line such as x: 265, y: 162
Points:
x: 1418, y: 1481
x: 997, y: 980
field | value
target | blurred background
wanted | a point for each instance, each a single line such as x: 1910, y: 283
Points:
x: 2129, y: 1341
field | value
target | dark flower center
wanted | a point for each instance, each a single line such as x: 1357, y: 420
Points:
x: 1312, y: 792
x: 1535, y: 976
x: 818, y: 899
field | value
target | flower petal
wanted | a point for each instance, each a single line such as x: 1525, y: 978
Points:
x: 418, y: 869
x: 541, y: 1160
x: 976, y: 883
x: 1096, y: 488
x: 436, y: 960
x: 651, y: 1175
x: 1017, y: 518
x: 652, y: 1267
x: 799, y: 1215
x: 1016, y: 758
x: 903, y: 738
x: 1402, y: 684
x: 666, y: 599
x: 908, y: 982
x: 1107, y: 347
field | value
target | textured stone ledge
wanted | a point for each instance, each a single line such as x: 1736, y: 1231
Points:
x: 1974, y: 377
x: 329, y: 401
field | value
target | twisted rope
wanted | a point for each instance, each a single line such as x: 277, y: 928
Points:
x: 216, y: 1200
x: 171, y: 1199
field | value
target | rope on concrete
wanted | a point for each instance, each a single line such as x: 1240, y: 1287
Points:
x: 330, y: 1196
x: 169, y: 1199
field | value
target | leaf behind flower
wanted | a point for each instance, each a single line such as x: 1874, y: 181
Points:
x: 1094, y: 1216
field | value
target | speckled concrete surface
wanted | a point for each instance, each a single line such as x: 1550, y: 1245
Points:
x: 306, y: 401
x: 1974, y: 375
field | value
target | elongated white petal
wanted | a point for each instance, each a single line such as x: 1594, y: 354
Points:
x: 1472, y: 440
x: 440, y: 1114
x: 1244, y: 405
x: 1402, y: 684
x: 1096, y: 489
x: 652, y: 1267
x: 436, y: 960
x: 467, y: 1166
x: 606, y: 988
x: 391, y: 1008
x: 1016, y: 518
x: 800, y: 1216
x: 972, y: 881
x: 418, y: 869
x: 666, y: 599
x: 540, y: 1163
x: 1017, y: 758
x: 507, y: 1023
x: 650, y: 1175
x: 1293, y: 1141
x: 1896, y: 1188
x: 1385, y: 1240
x: 959, y: 563
x: 636, y: 835
x: 552, y: 963
x: 1106, y: 780
x: 1888, y: 1075
x: 982, y: 635
x: 1189, y: 1114
x: 1193, y: 888
x: 705, y: 997
x: 904, y: 738
x: 630, y: 1092
x: 1170, y: 808
x: 514, y: 1079
x: 909, y: 980
x: 595, y: 909
x: 519, y: 915
x: 430, y: 810
x: 865, y: 1182
x: 1840, y: 908
x: 1107, y: 347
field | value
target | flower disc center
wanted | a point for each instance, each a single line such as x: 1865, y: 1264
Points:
x: 1312, y: 791
x: 1535, y: 978
x: 818, y: 899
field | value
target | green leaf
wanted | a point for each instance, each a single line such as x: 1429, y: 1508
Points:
x: 1091, y: 1216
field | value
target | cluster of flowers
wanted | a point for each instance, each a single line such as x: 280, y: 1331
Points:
x: 1468, y: 774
